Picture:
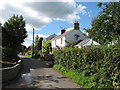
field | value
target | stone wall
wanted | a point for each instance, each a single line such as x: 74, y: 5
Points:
x: 10, y: 73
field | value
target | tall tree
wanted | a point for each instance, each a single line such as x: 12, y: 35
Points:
x: 106, y: 26
x: 14, y: 32
x: 47, y: 46
x: 36, y: 42
x: 40, y: 43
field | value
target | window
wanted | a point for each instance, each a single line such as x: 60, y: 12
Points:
x: 61, y: 40
x: 76, y: 36
x: 55, y: 42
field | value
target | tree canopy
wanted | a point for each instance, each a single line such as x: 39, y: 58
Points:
x: 38, y: 42
x: 14, y: 32
x: 47, y: 46
x: 106, y: 26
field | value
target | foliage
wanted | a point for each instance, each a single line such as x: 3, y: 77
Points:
x: 106, y: 26
x: 87, y: 82
x: 22, y: 49
x: 98, y: 66
x: 38, y: 43
x: 14, y: 32
x: 7, y: 55
x: 13, y: 35
x: 27, y: 55
x: 29, y: 52
x: 70, y: 44
x: 47, y: 46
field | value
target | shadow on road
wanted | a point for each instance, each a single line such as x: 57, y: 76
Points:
x: 37, y: 74
x: 30, y: 63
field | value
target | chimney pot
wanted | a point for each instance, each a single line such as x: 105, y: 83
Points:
x: 76, y: 25
x: 62, y: 31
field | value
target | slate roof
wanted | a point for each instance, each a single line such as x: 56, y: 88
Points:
x: 83, y: 42
x: 50, y: 37
x: 86, y: 41
x: 62, y: 35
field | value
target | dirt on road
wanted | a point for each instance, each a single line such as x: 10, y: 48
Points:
x: 37, y: 74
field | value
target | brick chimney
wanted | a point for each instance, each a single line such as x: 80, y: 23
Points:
x: 76, y: 25
x: 62, y: 31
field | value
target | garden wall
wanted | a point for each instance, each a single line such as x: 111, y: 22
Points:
x: 10, y: 73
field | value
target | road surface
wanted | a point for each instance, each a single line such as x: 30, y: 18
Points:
x: 37, y: 74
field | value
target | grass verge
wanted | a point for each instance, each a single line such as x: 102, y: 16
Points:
x: 79, y: 78
x: 27, y: 55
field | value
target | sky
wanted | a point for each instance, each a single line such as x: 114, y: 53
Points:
x: 49, y: 17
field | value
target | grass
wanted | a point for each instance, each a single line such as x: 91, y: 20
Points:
x: 79, y: 78
x: 37, y: 58
x: 75, y: 77
x: 27, y: 55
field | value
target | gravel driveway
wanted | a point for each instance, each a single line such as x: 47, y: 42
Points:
x: 37, y: 74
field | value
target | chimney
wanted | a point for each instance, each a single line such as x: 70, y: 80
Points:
x: 62, y: 31
x: 76, y: 25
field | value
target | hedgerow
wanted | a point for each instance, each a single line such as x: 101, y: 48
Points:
x: 100, y: 65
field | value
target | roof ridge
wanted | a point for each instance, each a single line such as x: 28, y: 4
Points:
x: 61, y: 35
x: 83, y: 41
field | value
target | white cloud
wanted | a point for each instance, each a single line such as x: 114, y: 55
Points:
x: 30, y: 36
x: 65, y: 29
x: 26, y: 44
x: 39, y: 13
x: 29, y: 39
x: 69, y: 29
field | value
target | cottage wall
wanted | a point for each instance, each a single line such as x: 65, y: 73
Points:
x: 58, y: 42
x: 70, y: 37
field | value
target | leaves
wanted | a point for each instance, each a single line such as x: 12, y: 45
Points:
x: 99, y: 66
x: 105, y: 27
x: 14, y: 32
x: 47, y: 46
x: 38, y: 43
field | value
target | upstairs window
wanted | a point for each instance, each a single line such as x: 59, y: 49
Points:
x: 55, y: 42
x: 61, y: 40
x: 76, y: 36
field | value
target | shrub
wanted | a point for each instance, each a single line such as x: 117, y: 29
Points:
x: 103, y: 62
x: 29, y: 52
x: 9, y: 54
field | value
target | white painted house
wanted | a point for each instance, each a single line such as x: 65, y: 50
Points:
x: 73, y: 35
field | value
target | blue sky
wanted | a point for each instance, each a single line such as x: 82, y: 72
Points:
x: 85, y: 20
x: 48, y: 17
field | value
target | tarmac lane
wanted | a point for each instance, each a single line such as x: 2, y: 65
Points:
x: 37, y: 74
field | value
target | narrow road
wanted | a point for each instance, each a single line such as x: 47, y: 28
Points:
x: 36, y: 74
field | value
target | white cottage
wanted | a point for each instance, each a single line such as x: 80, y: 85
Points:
x: 73, y: 35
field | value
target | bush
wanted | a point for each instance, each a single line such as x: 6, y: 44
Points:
x: 29, y: 53
x: 103, y: 62
x: 9, y: 54
x: 36, y: 54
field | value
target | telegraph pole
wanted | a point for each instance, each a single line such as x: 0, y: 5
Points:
x: 33, y: 44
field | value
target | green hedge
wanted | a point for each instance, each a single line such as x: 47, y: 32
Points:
x: 102, y: 63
